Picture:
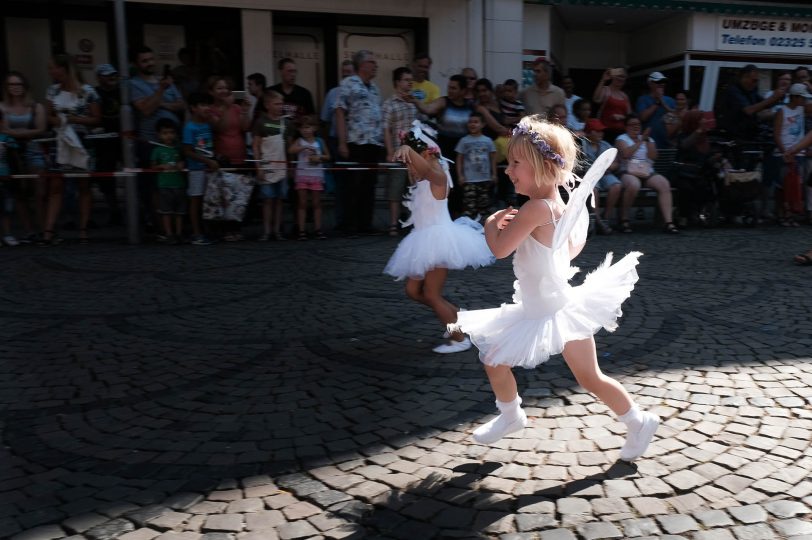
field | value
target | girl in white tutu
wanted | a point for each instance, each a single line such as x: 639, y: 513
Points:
x: 547, y: 315
x: 435, y: 244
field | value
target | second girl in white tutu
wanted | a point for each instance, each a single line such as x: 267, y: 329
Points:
x: 435, y: 244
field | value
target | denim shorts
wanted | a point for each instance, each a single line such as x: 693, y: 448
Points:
x: 608, y: 180
x: 278, y: 190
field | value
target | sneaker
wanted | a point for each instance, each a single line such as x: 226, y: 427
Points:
x: 453, y: 346
x: 637, y: 443
x: 200, y: 241
x: 499, y: 427
x: 10, y: 241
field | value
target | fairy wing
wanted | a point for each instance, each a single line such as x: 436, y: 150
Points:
x: 574, y: 222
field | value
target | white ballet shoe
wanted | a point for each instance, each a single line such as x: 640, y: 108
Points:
x: 637, y: 441
x: 453, y: 346
x: 497, y: 428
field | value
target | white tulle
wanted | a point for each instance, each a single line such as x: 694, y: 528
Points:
x: 539, y: 323
x: 436, y: 241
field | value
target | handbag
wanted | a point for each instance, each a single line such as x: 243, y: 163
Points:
x: 640, y: 168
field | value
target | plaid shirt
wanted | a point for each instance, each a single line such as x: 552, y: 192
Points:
x: 398, y: 116
x: 362, y: 107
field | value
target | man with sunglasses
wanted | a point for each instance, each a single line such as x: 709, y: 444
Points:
x: 656, y: 110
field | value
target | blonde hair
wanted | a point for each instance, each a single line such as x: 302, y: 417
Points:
x: 560, y: 141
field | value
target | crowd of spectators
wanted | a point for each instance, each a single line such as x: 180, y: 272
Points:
x: 189, y: 131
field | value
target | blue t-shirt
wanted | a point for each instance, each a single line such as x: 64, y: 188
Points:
x: 476, y: 152
x: 198, y: 136
x: 655, y: 121
x: 140, y: 89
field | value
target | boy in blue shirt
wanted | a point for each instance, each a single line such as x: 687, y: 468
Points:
x: 476, y: 168
x: 198, y: 150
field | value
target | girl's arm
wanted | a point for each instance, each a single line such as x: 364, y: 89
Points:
x: 419, y: 167
x: 93, y: 117
x: 295, y: 147
x: 491, y: 122
x: 626, y: 151
x: 506, y: 229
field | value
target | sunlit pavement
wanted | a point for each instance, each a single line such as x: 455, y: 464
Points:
x: 288, y: 390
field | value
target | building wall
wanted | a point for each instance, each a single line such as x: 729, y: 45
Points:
x: 503, y: 45
x: 655, y: 42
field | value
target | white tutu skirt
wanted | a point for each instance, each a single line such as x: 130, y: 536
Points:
x: 454, y: 245
x: 508, y: 336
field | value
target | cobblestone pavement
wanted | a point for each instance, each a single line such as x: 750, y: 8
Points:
x: 288, y: 390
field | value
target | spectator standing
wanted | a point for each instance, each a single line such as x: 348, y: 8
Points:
x: 359, y: 128
x: 186, y: 75
x: 153, y: 98
x: 582, y: 110
x: 476, y: 169
x: 568, y: 86
x: 543, y: 94
x: 9, y: 160
x: 311, y: 152
x: 614, y: 104
x: 108, y: 150
x: 230, y: 121
x: 423, y: 89
x: 742, y: 104
x: 327, y: 117
x: 255, y: 84
x: 198, y: 151
x: 398, y: 115
x: 512, y: 107
x: 74, y: 105
x: 172, y: 198
x: 24, y: 119
x: 495, y: 125
x: 789, y: 131
x: 656, y: 110
x: 298, y: 100
x: 271, y: 134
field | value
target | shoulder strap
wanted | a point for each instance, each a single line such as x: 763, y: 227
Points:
x: 554, y: 221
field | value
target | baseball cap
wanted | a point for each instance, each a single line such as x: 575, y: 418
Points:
x: 106, y: 69
x: 594, y: 124
x: 799, y: 89
x: 657, y: 77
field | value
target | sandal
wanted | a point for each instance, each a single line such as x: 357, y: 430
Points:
x: 670, y: 228
x: 49, y: 238
x: 393, y: 230
x: 302, y: 236
x: 320, y: 235
x: 625, y: 226
x: 83, y: 239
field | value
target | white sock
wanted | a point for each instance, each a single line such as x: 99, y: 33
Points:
x: 510, y: 409
x: 633, y: 418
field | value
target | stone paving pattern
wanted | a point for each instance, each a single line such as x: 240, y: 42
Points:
x: 288, y: 391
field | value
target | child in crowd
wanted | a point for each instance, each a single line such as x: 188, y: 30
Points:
x: 172, y: 198
x: 509, y: 102
x: 548, y: 315
x: 9, y: 161
x: 788, y: 131
x: 198, y: 149
x: 311, y: 152
x: 476, y: 169
x: 270, y: 147
x: 436, y: 244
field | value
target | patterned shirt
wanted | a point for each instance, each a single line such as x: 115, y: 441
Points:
x: 398, y: 116
x: 77, y: 104
x: 362, y: 111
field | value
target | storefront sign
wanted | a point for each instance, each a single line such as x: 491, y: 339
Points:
x: 763, y: 35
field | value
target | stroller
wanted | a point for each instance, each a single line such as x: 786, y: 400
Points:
x: 740, y: 181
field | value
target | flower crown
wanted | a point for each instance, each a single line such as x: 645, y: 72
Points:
x: 543, y: 146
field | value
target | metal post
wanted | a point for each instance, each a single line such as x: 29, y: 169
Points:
x: 131, y: 180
